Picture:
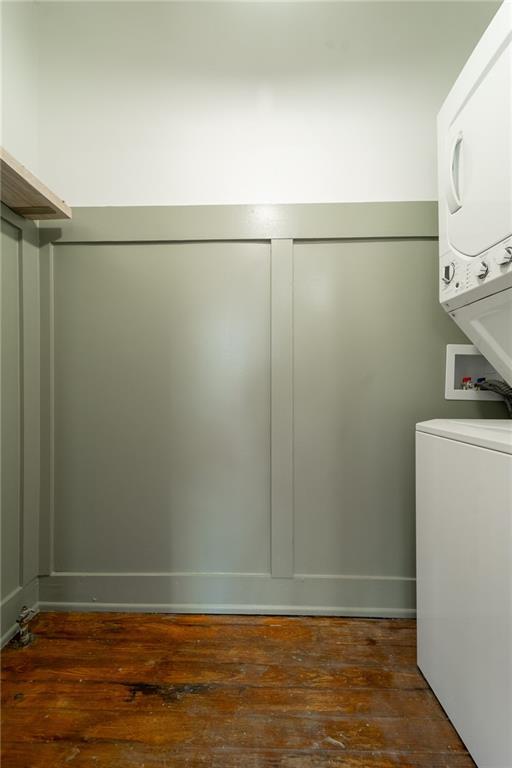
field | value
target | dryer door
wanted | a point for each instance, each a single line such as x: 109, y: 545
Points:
x: 478, y: 192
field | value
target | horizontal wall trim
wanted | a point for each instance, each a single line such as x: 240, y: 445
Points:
x: 223, y: 574
x: 235, y: 593
x: 224, y: 608
x: 245, y: 222
x: 11, y: 606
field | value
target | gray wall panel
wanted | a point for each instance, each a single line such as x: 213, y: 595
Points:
x: 162, y: 426
x: 369, y: 350
x: 11, y: 407
x: 20, y: 414
x: 229, y: 426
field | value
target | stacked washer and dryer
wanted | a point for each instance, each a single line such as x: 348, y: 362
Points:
x: 464, y: 468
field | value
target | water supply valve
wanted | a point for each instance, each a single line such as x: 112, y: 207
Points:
x: 25, y: 616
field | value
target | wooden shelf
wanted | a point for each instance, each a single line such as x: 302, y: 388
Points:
x: 26, y: 195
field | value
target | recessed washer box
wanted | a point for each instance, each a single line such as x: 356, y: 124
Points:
x: 463, y: 360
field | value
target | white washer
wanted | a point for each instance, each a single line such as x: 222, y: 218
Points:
x: 464, y: 578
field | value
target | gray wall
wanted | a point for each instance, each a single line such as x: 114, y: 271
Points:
x: 19, y: 317
x: 232, y: 422
x: 162, y: 390
x: 369, y: 355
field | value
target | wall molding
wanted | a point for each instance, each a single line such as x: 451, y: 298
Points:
x: 26, y: 592
x: 281, y: 591
x: 245, y: 222
x: 281, y: 408
x: 230, y: 593
x: 46, y: 507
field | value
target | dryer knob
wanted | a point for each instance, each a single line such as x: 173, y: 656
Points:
x: 482, y: 271
x: 506, y: 257
x: 448, y: 273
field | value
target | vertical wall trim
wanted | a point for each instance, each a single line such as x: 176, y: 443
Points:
x: 47, y: 411
x: 21, y: 421
x: 30, y: 409
x: 281, y: 420
x: 51, y: 436
x: 45, y: 333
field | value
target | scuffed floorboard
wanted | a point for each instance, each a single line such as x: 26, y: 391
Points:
x: 161, y: 691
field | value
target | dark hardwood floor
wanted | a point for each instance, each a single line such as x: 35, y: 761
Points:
x: 157, y: 691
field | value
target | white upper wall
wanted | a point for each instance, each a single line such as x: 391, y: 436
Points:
x: 210, y: 103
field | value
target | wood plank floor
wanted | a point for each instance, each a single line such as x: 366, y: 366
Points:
x: 157, y: 691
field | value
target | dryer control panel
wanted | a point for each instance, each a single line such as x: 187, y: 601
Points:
x: 463, y: 279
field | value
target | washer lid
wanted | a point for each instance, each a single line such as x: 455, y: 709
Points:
x: 495, y: 434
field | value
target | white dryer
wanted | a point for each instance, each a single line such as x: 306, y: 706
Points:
x: 475, y: 195
x: 464, y: 578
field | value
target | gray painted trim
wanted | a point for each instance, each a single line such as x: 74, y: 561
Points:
x: 46, y: 399
x: 246, y: 222
x: 12, y: 605
x: 29, y: 383
x: 30, y: 422
x: 242, y: 593
x: 51, y: 412
x: 21, y: 421
x: 281, y: 421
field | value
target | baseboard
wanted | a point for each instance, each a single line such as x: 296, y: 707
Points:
x: 228, y: 608
x: 12, y: 605
x: 230, y: 593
